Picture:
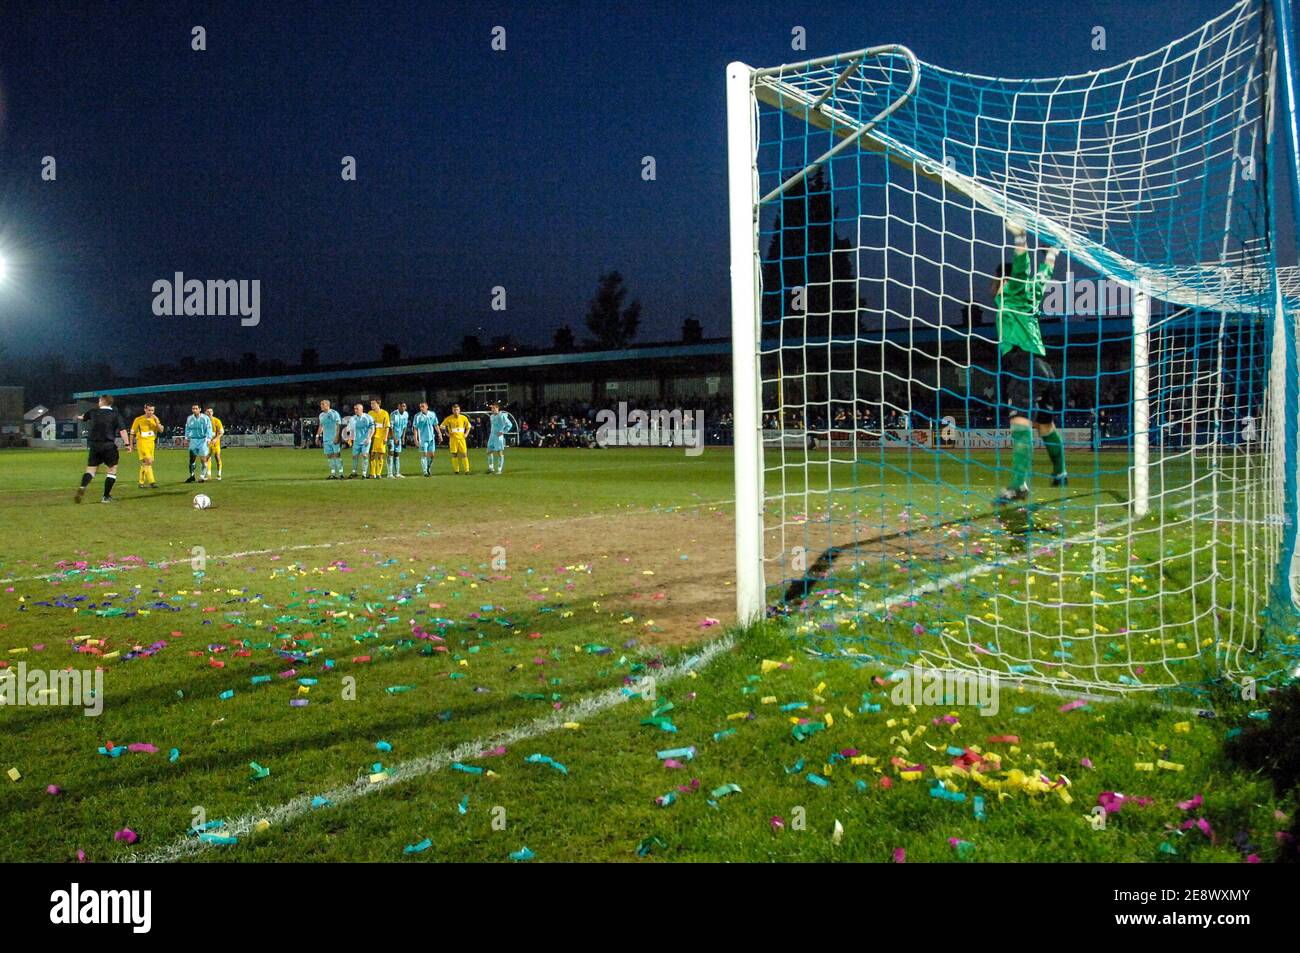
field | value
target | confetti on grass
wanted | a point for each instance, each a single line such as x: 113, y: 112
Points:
x: 543, y: 759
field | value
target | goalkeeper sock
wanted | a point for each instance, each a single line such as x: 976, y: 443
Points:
x: 1022, y: 452
x: 1056, y: 450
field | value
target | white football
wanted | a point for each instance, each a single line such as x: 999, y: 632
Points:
x: 202, y: 501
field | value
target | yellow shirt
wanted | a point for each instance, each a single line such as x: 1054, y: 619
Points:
x: 144, y: 429
x: 217, y: 431
x: 381, y: 424
x: 455, y: 424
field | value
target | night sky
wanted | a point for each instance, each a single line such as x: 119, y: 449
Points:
x: 475, y: 168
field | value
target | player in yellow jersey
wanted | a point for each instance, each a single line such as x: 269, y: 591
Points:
x: 144, y: 434
x: 378, y: 445
x: 214, y: 445
x: 457, y: 426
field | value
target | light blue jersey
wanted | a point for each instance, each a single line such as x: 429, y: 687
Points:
x: 398, y: 420
x: 426, y: 430
x: 198, y: 430
x: 501, y: 426
x: 363, y: 428
x: 198, y: 427
x: 330, y: 425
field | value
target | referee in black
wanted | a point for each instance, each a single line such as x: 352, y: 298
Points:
x: 106, y: 425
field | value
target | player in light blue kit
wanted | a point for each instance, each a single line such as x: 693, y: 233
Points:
x: 327, y: 438
x: 363, y: 429
x: 496, y: 445
x: 426, y: 437
x: 397, y: 423
x: 199, y: 432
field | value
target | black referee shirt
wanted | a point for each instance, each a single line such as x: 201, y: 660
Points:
x: 105, y: 424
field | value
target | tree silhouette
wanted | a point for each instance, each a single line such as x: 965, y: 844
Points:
x: 611, y: 323
x: 564, y: 340
x: 807, y: 258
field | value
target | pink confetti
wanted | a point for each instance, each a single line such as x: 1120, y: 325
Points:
x: 900, y: 855
x: 126, y: 834
x: 1202, y: 825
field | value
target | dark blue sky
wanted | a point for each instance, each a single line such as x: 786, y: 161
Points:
x: 475, y: 168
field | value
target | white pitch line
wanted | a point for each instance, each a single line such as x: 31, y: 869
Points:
x: 970, y: 572
x: 189, y: 845
x: 166, y: 563
x: 1061, y: 689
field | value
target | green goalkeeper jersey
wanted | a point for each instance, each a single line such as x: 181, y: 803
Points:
x: 1018, y: 304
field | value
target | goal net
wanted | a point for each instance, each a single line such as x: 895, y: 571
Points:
x: 1094, y: 487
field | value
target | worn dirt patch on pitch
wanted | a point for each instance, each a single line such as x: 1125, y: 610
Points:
x: 667, y: 571
x: 656, y: 575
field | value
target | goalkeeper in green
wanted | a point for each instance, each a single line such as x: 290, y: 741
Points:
x: 1029, y: 385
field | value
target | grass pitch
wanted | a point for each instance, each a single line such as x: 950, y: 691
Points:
x: 501, y: 668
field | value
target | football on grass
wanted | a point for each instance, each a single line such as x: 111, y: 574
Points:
x: 202, y: 501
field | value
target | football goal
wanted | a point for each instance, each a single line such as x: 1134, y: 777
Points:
x: 1015, y: 360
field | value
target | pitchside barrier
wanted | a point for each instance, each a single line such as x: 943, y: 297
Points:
x: 1076, y: 438
x: 242, y: 440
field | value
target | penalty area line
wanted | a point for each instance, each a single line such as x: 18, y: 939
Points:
x: 983, y: 569
x: 1060, y: 688
x: 92, y: 571
x: 190, y: 844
